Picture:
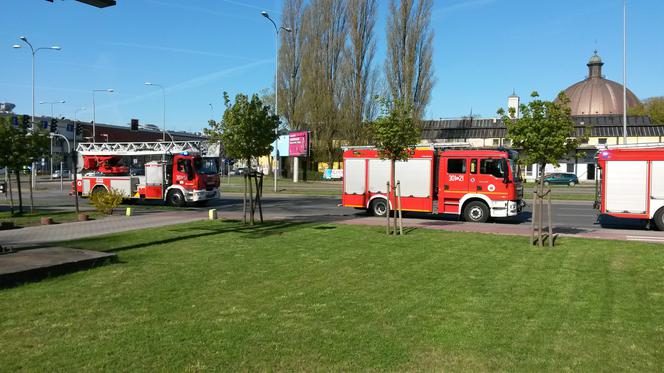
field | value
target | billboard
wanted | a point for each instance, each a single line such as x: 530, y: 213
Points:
x: 298, y: 144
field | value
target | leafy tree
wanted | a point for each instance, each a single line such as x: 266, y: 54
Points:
x: 652, y: 107
x: 394, y: 133
x: 409, y: 61
x: 246, y: 131
x: 545, y: 132
x: 20, y: 147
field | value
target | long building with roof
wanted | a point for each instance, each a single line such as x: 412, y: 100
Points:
x: 597, y: 107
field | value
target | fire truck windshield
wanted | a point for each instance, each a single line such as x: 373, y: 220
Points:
x: 205, y: 166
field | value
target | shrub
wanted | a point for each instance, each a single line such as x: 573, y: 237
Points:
x: 106, y: 201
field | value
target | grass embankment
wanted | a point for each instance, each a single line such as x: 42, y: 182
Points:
x: 292, y: 296
x: 27, y: 219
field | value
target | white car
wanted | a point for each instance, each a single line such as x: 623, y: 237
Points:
x: 56, y: 174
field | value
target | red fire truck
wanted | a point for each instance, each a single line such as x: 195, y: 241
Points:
x: 175, y: 172
x: 440, y: 179
x: 631, y: 182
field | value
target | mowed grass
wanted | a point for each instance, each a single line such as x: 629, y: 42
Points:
x: 293, y: 296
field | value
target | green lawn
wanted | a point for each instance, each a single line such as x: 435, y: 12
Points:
x: 291, y: 296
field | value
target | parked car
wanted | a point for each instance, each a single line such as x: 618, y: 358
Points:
x: 56, y: 174
x: 561, y: 178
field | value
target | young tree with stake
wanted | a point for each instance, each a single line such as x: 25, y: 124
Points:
x: 394, y: 134
x: 545, y: 133
x: 246, y: 131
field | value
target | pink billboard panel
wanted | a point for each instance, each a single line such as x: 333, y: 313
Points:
x: 298, y: 144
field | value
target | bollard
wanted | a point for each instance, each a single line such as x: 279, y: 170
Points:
x: 212, y: 214
x: 130, y: 211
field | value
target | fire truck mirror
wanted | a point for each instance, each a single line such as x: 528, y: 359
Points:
x: 506, y: 171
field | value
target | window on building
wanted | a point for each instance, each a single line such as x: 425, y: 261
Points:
x: 601, y: 141
x: 491, y: 167
x: 507, y: 142
x: 496, y: 142
x: 570, y: 167
x: 456, y: 166
x: 584, y: 141
x: 529, y: 170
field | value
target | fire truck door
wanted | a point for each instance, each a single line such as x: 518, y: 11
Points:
x: 491, y: 178
x: 453, y: 184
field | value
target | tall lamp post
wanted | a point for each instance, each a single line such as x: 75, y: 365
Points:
x: 34, y: 52
x: 51, y: 103
x: 624, y: 71
x: 74, y: 160
x: 277, y: 30
x: 94, y: 113
x: 163, y: 91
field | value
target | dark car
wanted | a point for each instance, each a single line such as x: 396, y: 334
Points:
x: 561, y: 178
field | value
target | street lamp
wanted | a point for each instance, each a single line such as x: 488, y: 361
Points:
x: 94, y: 113
x: 624, y: 71
x: 51, y: 103
x: 34, y: 52
x: 74, y: 160
x: 277, y: 30
x: 163, y: 91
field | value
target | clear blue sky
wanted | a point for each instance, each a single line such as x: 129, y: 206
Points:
x: 200, y: 48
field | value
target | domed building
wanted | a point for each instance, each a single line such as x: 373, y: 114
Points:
x: 597, y: 95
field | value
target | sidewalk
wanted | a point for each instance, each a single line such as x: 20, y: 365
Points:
x: 48, y: 234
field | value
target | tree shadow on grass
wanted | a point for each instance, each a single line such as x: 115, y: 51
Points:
x: 258, y: 231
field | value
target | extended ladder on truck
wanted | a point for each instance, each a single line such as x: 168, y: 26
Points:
x: 144, y: 148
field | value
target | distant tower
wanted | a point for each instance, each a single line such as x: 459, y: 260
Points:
x: 513, y: 102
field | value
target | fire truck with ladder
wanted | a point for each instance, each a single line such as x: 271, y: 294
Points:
x: 175, y: 172
x: 476, y: 184
x: 631, y: 182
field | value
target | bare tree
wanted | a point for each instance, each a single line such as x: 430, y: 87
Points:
x: 408, y: 65
x: 290, y: 62
x: 360, y: 74
x: 324, y: 39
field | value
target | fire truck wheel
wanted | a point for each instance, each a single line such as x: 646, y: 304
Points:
x: 659, y: 219
x: 176, y: 198
x: 476, y: 212
x: 98, y: 189
x: 378, y: 207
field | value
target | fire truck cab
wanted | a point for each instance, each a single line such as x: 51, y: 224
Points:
x: 631, y: 182
x: 476, y: 184
x: 173, y: 172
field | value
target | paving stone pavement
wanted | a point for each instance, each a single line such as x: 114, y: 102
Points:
x: 49, y: 234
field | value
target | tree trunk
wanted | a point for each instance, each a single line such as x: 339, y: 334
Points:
x: 17, y: 172
x: 393, y: 183
x: 11, y: 195
x: 32, y: 201
x: 244, y: 200
x: 540, y: 205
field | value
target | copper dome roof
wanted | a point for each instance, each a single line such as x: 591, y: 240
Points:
x: 596, y: 95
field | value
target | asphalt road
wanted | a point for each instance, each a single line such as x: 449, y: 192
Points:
x: 567, y: 215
